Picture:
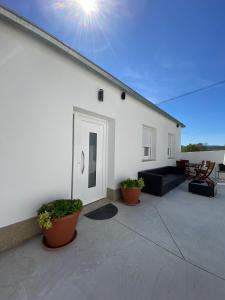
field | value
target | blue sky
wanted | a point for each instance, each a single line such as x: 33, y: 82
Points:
x: 160, y: 48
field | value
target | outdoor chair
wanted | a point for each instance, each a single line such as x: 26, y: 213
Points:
x: 185, y: 165
x: 203, y: 168
x: 192, y: 169
x: 203, y: 173
x: 182, y: 164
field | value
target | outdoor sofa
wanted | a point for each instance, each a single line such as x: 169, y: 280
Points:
x: 160, y: 181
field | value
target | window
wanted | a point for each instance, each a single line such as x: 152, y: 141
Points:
x: 149, y: 143
x: 171, y: 145
x: 92, y: 159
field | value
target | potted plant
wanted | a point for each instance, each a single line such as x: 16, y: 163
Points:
x: 131, y: 189
x: 58, y: 220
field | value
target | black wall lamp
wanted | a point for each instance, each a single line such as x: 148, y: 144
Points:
x: 123, y: 95
x: 101, y: 95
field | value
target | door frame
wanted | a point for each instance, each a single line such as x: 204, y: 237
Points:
x: 92, y: 118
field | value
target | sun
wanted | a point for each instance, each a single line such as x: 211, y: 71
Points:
x: 88, y: 6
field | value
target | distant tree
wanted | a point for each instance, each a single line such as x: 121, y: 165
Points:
x: 194, y: 147
x: 202, y: 147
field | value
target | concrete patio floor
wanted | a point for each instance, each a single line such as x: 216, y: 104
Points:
x: 166, y: 248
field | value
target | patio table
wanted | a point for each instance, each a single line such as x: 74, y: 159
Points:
x: 194, y: 165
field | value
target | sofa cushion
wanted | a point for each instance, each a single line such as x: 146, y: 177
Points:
x: 169, y: 177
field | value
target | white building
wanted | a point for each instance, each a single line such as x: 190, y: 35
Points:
x: 43, y: 83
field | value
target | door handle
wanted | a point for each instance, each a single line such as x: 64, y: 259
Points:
x: 83, y: 162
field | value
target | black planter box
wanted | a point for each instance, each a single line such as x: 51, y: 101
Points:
x: 202, y: 188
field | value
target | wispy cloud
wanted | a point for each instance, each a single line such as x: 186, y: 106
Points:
x: 165, y: 78
x: 131, y: 74
x: 140, y: 81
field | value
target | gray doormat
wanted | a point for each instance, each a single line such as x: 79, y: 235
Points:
x: 103, y: 213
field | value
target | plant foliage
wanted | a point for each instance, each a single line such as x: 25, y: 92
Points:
x: 132, y: 183
x: 201, y: 147
x: 57, y: 209
x: 44, y: 220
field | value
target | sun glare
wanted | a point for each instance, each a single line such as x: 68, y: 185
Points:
x: 88, y: 24
x: 88, y: 6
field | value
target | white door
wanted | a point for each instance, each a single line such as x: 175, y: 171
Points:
x: 90, y: 158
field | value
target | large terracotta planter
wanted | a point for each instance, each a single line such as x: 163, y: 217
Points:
x: 62, y: 232
x: 131, y: 195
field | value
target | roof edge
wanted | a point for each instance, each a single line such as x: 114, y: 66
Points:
x: 23, y: 22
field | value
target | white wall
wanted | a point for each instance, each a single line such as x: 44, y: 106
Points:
x: 217, y: 156
x: 39, y: 88
x: 130, y: 119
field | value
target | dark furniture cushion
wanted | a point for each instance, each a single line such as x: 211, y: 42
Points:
x: 161, y: 180
x: 202, y: 188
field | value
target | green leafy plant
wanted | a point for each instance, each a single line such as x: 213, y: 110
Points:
x: 44, y: 220
x: 132, y: 183
x: 57, y: 209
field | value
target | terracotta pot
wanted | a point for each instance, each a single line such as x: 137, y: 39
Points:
x: 62, y: 231
x: 131, y: 195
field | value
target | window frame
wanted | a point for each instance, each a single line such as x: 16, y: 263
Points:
x: 171, y: 146
x: 151, y: 146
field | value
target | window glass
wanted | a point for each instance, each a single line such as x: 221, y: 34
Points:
x: 171, y: 145
x: 146, y: 151
x: 149, y: 143
x: 92, y: 159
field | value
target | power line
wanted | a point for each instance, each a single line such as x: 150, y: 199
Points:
x: 207, y: 87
